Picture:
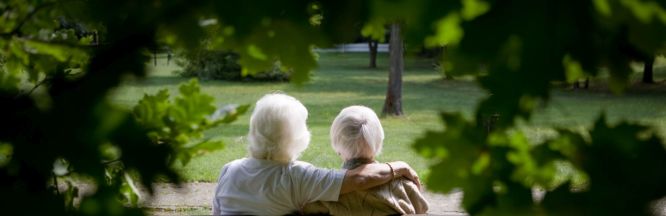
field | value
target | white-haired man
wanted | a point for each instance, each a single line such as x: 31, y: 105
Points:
x: 357, y: 136
x: 272, y: 182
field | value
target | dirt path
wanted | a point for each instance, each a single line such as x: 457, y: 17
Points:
x: 198, y: 196
x: 195, y: 198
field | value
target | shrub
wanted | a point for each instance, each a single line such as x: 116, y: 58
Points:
x: 223, y: 65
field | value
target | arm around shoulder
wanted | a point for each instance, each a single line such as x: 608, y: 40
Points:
x: 370, y: 175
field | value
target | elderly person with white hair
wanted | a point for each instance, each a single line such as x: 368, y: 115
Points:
x: 357, y: 136
x: 272, y: 182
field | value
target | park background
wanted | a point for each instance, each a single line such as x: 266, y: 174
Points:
x: 517, y: 107
x: 343, y: 78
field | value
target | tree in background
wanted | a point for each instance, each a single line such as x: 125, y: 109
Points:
x: 393, y: 101
x: 373, y: 45
x: 648, y: 67
x: 372, y: 48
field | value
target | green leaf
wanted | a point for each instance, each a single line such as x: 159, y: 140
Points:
x: 375, y: 29
x: 8, y: 81
x: 473, y: 8
x: 181, y: 123
x: 6, y: 151
x: 151, y: 109
x: 645, y: 11
x: 190, y: 108
x: 184, y: 157
x: 71, y: 193
x: 255, y: 52
x: 614, y: 155
x: 448, y: 32
x: 130, y: 193
x: 573, y: 69
x: 462, y: 160
x: 61, y: 53
x: 18, y: 51
x: 603, y: 7
x: 204, y: 146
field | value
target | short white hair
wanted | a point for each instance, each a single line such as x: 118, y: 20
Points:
x: 357, y: 133
x: 278, y: 129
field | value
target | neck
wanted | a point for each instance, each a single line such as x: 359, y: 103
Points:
x: 355, y: 162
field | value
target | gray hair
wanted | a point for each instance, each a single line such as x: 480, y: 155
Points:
x: 278, y: 129
x: 357, y: 133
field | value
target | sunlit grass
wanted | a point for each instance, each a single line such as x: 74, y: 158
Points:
x: 344, y: 79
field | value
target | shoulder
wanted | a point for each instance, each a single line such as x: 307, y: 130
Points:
x: 300, y: 169
x: 301, y: 166
x: 233, y: 165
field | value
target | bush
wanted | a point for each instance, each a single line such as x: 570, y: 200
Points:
x: 223, y: 65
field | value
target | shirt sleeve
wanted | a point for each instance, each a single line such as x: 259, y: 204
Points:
x: 317, y: 184
x: 216, y: 203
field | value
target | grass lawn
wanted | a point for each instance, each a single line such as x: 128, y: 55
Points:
x: 344, y: 79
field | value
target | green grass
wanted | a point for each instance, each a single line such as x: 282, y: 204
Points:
x: 344, y: 79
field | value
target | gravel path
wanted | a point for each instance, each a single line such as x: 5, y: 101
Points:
x: 198, y: 196
x: 195, y: 198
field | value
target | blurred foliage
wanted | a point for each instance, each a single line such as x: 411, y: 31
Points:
x: 54, y: 86
x: 60, y: 125
x: 613, y: 170
x: 518, y: 49
x: 223, y: 65
x: 181, y: 123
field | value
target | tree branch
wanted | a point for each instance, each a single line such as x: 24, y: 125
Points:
x: 55, y: 182
x: 110, y: 161
x: 37, y: 85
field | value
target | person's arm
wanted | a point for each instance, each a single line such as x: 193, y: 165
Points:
x: 375, y: 174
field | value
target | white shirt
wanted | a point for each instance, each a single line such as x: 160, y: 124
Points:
x: 251, y: 186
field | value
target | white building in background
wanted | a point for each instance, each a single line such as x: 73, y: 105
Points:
x: 354, y: 47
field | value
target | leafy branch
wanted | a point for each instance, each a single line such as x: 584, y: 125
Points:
x: 180, y: 123
x: 16, y: 31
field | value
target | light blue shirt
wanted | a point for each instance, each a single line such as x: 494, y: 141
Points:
x: 251, y: 186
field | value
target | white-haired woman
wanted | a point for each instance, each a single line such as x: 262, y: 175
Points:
x: 357, y: 136
x: 272, y: 182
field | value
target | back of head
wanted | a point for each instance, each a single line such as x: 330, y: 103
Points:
x: 357, y: 133
x: 278, y: 129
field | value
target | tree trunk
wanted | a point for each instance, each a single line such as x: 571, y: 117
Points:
x: 393, y: 102
x: 447, y: 76
x: 155, y: 57
x: 648, y: 75
x: 372, y: 45
x: 587, y: 83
